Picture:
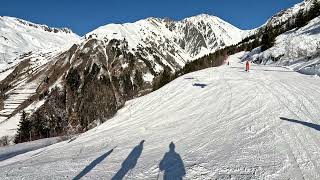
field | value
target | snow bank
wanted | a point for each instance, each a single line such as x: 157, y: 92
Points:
x: 15, y: 150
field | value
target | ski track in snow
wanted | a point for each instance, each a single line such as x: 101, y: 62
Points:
x: 225, y: 124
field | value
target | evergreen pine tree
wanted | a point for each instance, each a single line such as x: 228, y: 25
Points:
x: 127, y: 83
x: 267, y: 40
x: 300, y: 19
x: 165, y: 77
x: 314, y: 10
x: 138, y: 78
x: 38, y: 127
x: 24, y: 129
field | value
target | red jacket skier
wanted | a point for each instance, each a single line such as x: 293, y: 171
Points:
x: 247, y: 66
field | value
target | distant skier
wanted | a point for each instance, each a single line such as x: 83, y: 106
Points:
x: 247, y: 66
x: 228, y: 63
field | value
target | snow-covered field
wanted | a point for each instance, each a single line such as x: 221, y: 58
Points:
x: 218, y: 123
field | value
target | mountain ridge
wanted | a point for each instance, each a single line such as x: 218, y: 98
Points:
x: 18, y: 37
x: 190, y: 38
x: 44, y: 26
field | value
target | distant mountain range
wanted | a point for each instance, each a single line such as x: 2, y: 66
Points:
x: 18, y: 36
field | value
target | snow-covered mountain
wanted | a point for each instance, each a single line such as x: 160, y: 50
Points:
x: 174, y: 42
x: 286, y: 14
x: 18, y: 36
x: 298, y: 49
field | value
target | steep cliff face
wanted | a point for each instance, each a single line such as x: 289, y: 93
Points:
x: 202, y: 34
x: 80, y: 87
x: 101, y: 77
x: 172, y: 42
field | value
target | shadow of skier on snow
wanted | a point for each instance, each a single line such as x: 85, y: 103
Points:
x: 130, y: 162
x: 94, y: 163
x: 172, y: 165
x: 200, y: 85
x: 311, y: 125
x: 274, y: 70
x: 189, y: 78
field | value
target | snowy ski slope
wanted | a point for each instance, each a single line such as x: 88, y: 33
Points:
x: 223, y: 123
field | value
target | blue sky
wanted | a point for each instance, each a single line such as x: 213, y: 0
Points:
x: 84, y: 16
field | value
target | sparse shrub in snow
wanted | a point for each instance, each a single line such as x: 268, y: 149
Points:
x: 163, y: 79
x: 267, y: 40
x: 73, y: 79
x: 4, y: 141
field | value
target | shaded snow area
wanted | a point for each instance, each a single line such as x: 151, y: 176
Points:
x: 18, y: 36
x: 11, y: 151
x: 298, y: 49
x: 218, y: 123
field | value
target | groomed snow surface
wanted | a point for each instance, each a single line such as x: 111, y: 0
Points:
x: 220, y: 123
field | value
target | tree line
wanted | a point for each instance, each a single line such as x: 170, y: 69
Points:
x: 47, y: 121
